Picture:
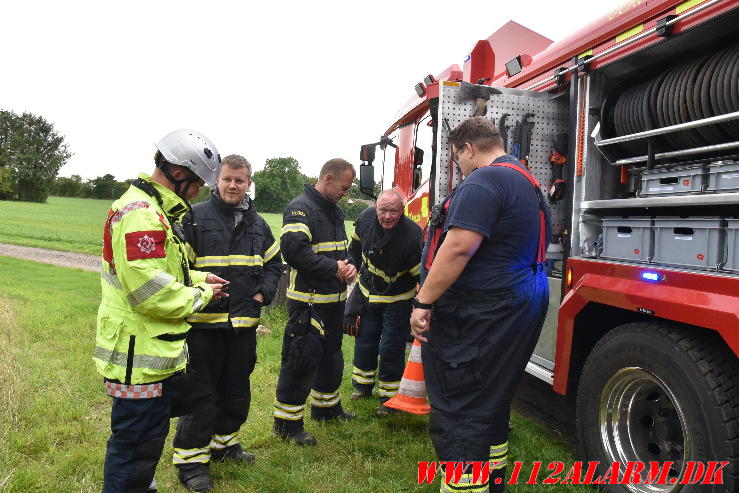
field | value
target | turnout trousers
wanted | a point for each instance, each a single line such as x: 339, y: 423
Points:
x: 321, y: 382
x: 477, y: 350
x: 384, y: 331
x: 139, y: 428
x: 224, y: 360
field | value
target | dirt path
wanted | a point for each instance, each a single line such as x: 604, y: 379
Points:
x: 56, y: 257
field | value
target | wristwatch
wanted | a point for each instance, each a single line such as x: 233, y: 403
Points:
x: 418, y: 304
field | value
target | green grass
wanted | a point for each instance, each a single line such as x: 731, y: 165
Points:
x: 54, y: 416
x: 72, y: 224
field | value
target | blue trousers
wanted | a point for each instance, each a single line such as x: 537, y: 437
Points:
x: 384, y: 330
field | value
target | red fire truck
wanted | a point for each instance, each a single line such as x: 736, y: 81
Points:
x: 631, y: 126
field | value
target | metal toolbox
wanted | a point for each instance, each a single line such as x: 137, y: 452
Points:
x: 675, y: 181
x: 696, y: 242
x: 732, y: 241
x: 723, y: 177
x: 628, y: 238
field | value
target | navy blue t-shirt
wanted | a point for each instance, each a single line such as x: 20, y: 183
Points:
x: 501, y: 204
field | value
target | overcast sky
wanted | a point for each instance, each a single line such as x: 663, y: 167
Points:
x: 311, y: 80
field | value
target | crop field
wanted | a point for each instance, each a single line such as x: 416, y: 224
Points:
x: 73, y: 224
x: 54, y: 416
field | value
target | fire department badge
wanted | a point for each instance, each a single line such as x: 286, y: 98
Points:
x: 146, y: 244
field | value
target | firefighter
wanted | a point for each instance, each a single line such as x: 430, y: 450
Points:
x: 147, y: 292
x: 386, y: 246
x: 226, y: 236
x: 489, y: 293
x: 313, y: 243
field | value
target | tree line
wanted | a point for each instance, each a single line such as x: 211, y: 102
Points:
x: 32, y: 152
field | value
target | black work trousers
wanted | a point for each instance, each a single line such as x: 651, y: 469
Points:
x: 224, y: 360
x: 139, y: 428
x: 477, y: 350
x: 321, y: 382
x: 385, y: 327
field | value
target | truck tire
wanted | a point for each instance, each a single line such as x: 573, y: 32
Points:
x: 656, y: 391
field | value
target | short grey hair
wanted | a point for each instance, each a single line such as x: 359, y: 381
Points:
x: 391, y: 191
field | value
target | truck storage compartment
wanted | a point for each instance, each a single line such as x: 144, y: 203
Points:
x: 732, y: 240
x: 696, y: 242
x: 675, y: 181
x: 627, y: 238
x: 723, y: 177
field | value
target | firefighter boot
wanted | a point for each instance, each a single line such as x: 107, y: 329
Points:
x: 294, y: 432
x: 234, y: 453
x: 195, y: 477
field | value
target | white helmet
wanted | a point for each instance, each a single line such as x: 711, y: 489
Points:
x: 193, y: 151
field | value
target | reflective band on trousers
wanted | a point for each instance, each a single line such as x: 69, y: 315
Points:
x: 191, y: 456
x: 140, y: 360
x: 466, y: 483
x: 289, y: 412
x: 220, y: 442
x: 319, y: 399
x: 363, y: 377
x: 150, y: 288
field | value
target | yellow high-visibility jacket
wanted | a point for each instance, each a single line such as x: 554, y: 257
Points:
x: 147, y: 287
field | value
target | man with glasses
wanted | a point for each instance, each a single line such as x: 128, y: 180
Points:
x: 487, y: 285
x: 387, y: 246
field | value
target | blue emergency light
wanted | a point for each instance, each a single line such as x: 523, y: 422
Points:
x: 650, y: 276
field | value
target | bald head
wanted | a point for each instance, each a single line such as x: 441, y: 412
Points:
x: 389, y: 208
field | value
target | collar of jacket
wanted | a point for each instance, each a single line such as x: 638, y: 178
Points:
x: 172, y: 204
x: 317, y: 197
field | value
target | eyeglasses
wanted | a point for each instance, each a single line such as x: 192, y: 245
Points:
x: 455, y: 159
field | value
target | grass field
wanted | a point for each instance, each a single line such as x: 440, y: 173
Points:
x: 54, y: 416
x: 72, y: 224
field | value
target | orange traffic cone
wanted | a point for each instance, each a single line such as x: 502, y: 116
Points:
x: 411, y: 396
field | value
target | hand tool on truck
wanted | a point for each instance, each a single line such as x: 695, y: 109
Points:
x: 558, y: 159
x: 524, y: 136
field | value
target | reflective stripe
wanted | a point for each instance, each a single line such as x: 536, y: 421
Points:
x: 244, y: 321
x: 208, y: 318
x: 355, y: 236
x: 140, y: 360
x: 150, y: 288
x: 368, y: 374
x: 197, y: 301
x: 318, y: 325
x: 363, y: 377
x: 191, y: 456
x: 190, y: 253
x: 294, y: 294
x: 296, y: 228
x: 136, y: 391
x: 288, y: 411
x: 465, y: 484
x: 220, y: 442
x: 328, y: 246
x: 226, y: 260
x: 412, y: 388
x: 139, y: 204
x: 377, y: 298
x: 271, y: 251
x: 387, y: 389
x: 415, y: 271
x: 319, y: 399
x: 111, y: 279
x: 499, y: 449
x: 498, y: 456
x: 379, y: 272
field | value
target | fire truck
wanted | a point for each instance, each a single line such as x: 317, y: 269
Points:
x: 631, y: 126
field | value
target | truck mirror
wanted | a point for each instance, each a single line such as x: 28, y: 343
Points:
x: 367, y: 178
x: 367, y: 154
